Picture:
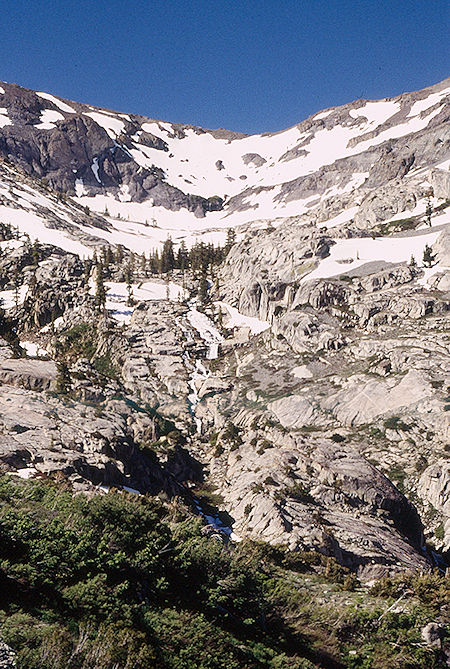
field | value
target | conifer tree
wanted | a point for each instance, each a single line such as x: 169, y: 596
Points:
x: 63, y: 380
x: 231, y: 240
x: 129, y: 274
x: 87, y: 274
x: 130, y: 299
x: 119, y: 254
x: 167, y: 286
x: 428, y: 211
x: 428, y: 256
x: 182, y: 256
x: 203, y: 289
x: 167, y: 257
x: 144, y: 264
x: 36, y: 252
x: 100, y: 292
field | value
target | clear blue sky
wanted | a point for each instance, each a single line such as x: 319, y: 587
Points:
x: 249, y: 66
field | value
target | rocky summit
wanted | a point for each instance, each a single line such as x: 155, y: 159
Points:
x: 255, y: 325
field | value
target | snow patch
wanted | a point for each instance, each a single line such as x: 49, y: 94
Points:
x: 301, y: 372
x: 33, y: 350
x: 80, y: 190
x: 95, y: 168
x: 421, y: 105
x: 343, y: 217
x: 58, y: 103
x: 4, y: 118
x: 25, y: 473
x: 113, y: 126
x: 204, y: 326
x: 117, y: 296
x: 376, y: 113
x: 238, y: 320
x: 48, y: 119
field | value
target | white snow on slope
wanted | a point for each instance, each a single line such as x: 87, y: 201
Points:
x: 80, y: 190
x: 430, y: 272
x: 421, y: 105
x: 48, y: 119
x: 238, y: 320
x: 113, y: 126
x: 376, y: 113
x: 34, y: 226
x: 11, y: 244
x: 33, y: 350
x: 4, y: 118
x: 2, y: 90
x: 343, y: 217
x: 190, y: 163
x: 24, y: 473
x: 58, y: 103
x: 323, y: 114
x: 117, y: 296
x: 361, y: 250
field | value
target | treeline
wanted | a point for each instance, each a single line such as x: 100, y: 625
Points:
x: 199, y: 257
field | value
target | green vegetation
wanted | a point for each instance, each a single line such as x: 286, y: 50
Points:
x: 397, y: 226
x: 121, y: 581
x: 395, y: 423
x: 298, y: 492
x: 80, y: 341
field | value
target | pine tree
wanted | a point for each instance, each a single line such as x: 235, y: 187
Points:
x: 109, y: 258
x: 36, y: 252
x: 130, y: 299
x: 167, y: 257
x: 203, y: 289
x: 428, y: 211
x: 100, y: 292
x: 231, y: 240
x: 63, y: 380
x: 182, y: 256
x: 129, y: 273
x: 87, y: 274
x: 428, y: 256
x: 119, y: 254
x: 16, y: 282
x: 412, y: 262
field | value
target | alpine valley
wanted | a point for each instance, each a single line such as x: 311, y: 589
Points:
x: 224, y: 388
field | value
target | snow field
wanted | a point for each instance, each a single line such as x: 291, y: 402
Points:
x: 362, y: 250
x: 117, y: 296
x: 238, y: 320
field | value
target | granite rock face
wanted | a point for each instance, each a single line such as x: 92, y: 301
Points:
x: 327, y: 426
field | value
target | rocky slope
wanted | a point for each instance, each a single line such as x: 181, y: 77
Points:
x: 301, y: 395
x: 368, y: 161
